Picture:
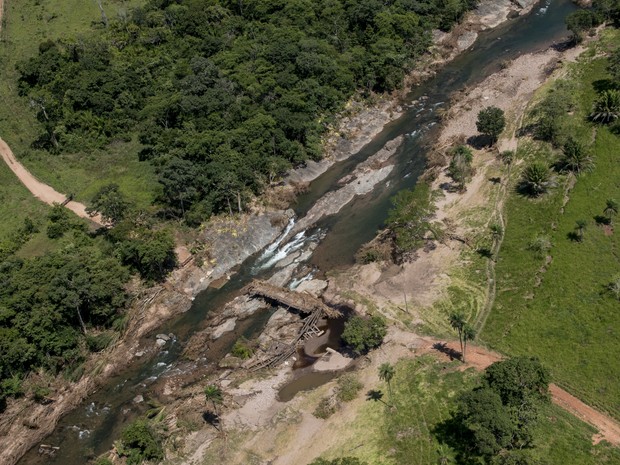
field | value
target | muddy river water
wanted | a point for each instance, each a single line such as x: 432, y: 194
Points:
x: 91, y: 427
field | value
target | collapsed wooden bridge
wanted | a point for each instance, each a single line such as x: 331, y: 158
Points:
x: 300, y: 301
x: 303, y: 303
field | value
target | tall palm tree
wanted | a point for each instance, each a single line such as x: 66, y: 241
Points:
x: 457, y: 321
x: 469, y: 334
x: 611, y: 209
x: 214, y: 394
x: 386, y: 373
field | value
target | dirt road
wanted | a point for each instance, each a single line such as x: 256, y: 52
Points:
x: 40, y: 190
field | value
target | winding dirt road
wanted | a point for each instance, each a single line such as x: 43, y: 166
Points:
x: 40, y: 190
x: 480, y: 358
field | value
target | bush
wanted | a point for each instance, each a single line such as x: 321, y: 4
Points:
x: 536, y: 179
x: 363, y: 334
x: 139, y: 442
x: 326, y: 408
x: 540, y: 245
x: 348, y: 387
x: 491, y: 122
x: 242, y: 349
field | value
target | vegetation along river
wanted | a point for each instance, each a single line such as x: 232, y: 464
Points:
x: 92, y: 426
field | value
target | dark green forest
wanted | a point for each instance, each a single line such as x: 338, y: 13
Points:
x: 224, y: 95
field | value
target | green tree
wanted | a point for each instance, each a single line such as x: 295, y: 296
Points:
x: 139, y: 443
x: 386, y: 373
x: 110, y: 203
x: 580, y: 22
x: 150, y: 252
x: 611, y: 209
x: 536, y: 178
x: 491, y: 122
x: 363, y: 334
x: 460, y: 169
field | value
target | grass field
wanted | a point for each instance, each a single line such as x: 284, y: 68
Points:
x: 28, y: 23
x: 425, y: 393
x: 560, y: 311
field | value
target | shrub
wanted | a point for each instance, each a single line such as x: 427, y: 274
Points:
x: 491, y: 122
x: 536, y: 179
x: 607, y: 106
x: 363, y: 334
x: 540, y: 245
x: 575, y: 157
x: 460, y: 169
x: 326, y: 408
x: 339, y: 461
x: 614, y: 286
x: 139, y: 442
x: 242, y: 349
x: 348, y: 387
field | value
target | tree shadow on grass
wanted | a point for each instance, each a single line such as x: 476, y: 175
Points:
x: 453, y: 434
x: 480, y: 141
x: 602, y: 220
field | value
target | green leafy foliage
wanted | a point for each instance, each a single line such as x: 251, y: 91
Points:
x: 410, y: 217
x: 139, y: 442
x: 348, y: 387
x: 242, y: 349
x: 576, y: 157
x: 110, y: 203
x: 363, y: 334
x: 224, y: 96
x: 47, y: 302
x: 500, y: 416
x: 607, y: 106
x: 536, y: 179
x: 581, y: 21
x: 460, y: 169
x: 491, y: 122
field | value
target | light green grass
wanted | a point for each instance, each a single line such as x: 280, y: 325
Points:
x: 425, y: 394
x: 563, y: 315
x: 28, y: 23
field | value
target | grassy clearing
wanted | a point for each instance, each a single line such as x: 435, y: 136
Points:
x: 16, y: 203
x: 28, y: 23
x: 425, y: 392
x: 561, y: 312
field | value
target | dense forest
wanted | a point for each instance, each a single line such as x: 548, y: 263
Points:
x: 224, y: 95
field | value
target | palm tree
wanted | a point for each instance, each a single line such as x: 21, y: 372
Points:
x: 607, y: 106
x: 469, y: 334
x: 386, y: 373
x: 458, y: 322
x: 214, y: 394
x: 580, y: 229
x: 611, y: 209
x: 537, y: 178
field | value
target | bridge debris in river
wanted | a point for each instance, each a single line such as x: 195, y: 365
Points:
x: 299, y: 301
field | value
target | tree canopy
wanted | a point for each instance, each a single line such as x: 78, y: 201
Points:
x: 224, y: 95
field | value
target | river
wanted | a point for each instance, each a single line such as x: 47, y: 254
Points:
x: 90, y: 429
